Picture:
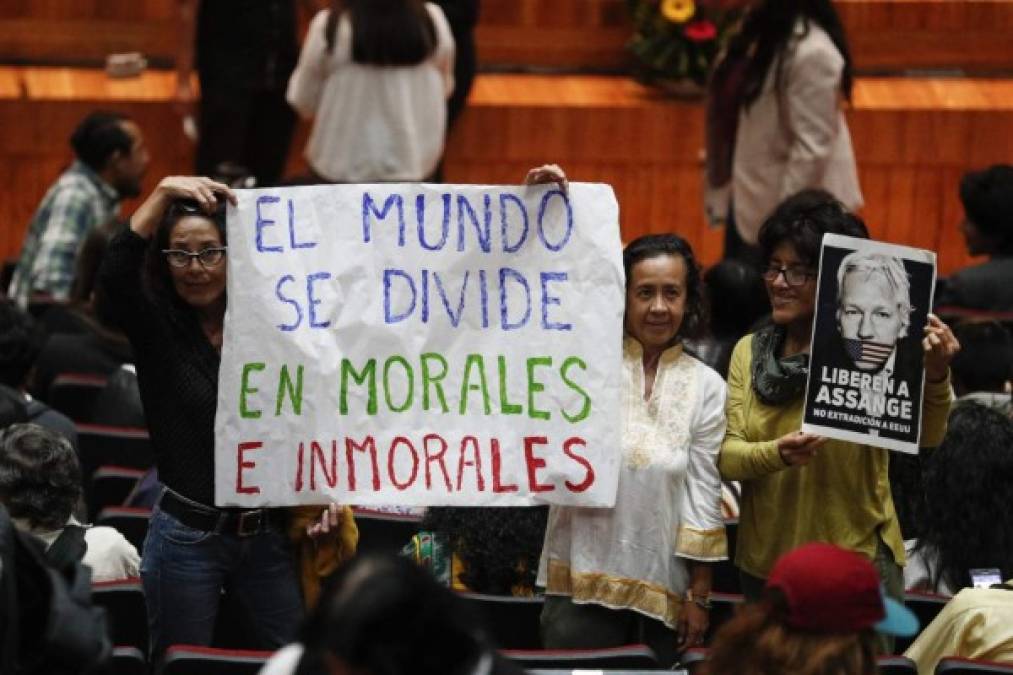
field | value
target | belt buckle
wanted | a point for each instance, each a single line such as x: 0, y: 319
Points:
x: 251, y: 523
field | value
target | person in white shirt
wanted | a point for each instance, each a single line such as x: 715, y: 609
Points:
x: 640, y: 572
x: 40, y: 484
x: 375, y: 76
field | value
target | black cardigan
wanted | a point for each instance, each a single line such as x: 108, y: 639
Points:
x: 177, y: 371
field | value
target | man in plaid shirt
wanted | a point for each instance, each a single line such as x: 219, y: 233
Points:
x: 111, y: 160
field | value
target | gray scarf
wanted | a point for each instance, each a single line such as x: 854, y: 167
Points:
x: 776, y: 381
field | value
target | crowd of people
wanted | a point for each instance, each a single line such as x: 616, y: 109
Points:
x: 830, y: 532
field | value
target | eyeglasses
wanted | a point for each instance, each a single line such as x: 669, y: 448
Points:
x: 209, y: 257
x: 793, y: 276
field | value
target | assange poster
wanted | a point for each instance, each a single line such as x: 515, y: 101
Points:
x: 421, y: 345
x: 866, y: 375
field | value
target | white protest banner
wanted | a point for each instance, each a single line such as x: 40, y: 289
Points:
x: 421, y: 345
x: 866, y: 376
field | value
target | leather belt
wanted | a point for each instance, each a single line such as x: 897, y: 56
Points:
x: 243, y: 523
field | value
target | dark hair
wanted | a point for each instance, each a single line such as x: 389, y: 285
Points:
x: 736, y: 297
x: 766, y: 30
x: 987, y: 197
x: 385, y: 32
x: 386, y: 616
x: 40, y: 477
x: 157, y: 277
x: 21, y: 340
x: 757, y: 641
x: 98, y: 136
x: 499, y: 546
x: 803, y: 219
x: 968, y: 482
x: 985, y: 359
x: 694, y: 322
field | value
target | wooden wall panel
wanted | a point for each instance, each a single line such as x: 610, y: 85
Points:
x: 885, y: 35
x: 913, y: 138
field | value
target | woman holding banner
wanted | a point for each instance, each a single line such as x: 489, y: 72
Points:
x: 797, y: 487
x: 164, y: 277
x: 639, y: 572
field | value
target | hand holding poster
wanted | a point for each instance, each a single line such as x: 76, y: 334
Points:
x: 866, y: 374
x: 421, y: 345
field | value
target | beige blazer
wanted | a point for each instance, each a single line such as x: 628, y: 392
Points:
x: 793, y: 140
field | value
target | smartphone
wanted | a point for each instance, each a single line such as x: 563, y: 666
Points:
x: 985, y: 577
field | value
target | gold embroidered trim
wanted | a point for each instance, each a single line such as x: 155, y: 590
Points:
x: 702, y: 544
x: 616, y: 592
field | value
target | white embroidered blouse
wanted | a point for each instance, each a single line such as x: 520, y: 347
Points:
x: 668, y: 506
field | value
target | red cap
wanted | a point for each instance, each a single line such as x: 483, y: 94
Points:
x: 829, y: 589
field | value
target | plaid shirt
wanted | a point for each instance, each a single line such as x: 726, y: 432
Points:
x: 78, y: 202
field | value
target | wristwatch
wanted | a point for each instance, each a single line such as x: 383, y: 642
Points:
x: 701, y: 601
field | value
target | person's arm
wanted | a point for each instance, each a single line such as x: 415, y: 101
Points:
x: 811, y: 109
x: 742, y: 459
x: 701, y: 534
x: 306, y: 85
x: 940, y: 347
x: 695, y: 617
x: 445, y: 49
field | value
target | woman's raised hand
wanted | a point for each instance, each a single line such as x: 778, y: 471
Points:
x: 547, y: 173
x: 204, y: 191
x: 327, y: 522
x: 940, y: 347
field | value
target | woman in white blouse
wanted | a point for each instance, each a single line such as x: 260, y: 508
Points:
x: 640, y: 572
x: 375, y: 75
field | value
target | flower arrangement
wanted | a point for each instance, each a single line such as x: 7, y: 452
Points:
x: 678, y: 40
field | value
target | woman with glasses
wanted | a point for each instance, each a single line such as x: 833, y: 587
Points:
x: 165, y: 280
x: 797, y: 487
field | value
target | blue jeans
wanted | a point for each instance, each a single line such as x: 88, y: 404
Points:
x: 184, y: 570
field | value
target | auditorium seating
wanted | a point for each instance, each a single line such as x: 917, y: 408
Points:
x: 925, y: 606
x: 100, y: 445
x: 639, y: 657
x: 692, y: 659
x: 896, y: 665
x: 723, y: 607
x: 725, y: 575
x: 132, y: 523
x: 74, y: 394
x: 957, y: 666
x: 513, y: 622
x: 126, y: 611
x: 381, y: 532
x: 191, y: 660
x: 127, y: 661
x: 110, y: 486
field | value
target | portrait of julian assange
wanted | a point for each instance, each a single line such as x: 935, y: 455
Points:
x: 866, y: 372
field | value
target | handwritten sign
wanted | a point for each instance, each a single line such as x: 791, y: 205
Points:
x: 421, y: 345
x: 866, y: 375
